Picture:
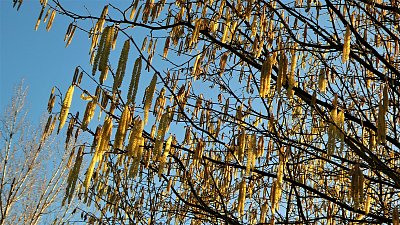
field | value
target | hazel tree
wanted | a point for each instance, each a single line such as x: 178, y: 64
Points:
x: 235, y: 112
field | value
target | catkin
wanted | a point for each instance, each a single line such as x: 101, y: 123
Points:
x: 65, y: 107
x: 135, y: 137
x: 96, y: 60
x: 282, y: 70
x: 39, y: 18
x: 346, y: 45
x: 222, y: 63
x: 322, y: 81
x: 290, y: 79
x: 51, y: 20
x: 119, y: 76
x: 134, y: 6
x: 165, y: 154
x: 357, y: 185
x: 122, y: 128
x: 162, y: 129
x: 265, y: 81
x: 166, y: 47
x: 105, y: 53
x: 73, y: 175
x: 105, y: 136
x: 89, y: 113
x: 242, y: 197
x: 133, y: 86
x: 148, y: 98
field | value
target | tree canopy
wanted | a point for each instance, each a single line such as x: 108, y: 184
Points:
x: 234, y: 112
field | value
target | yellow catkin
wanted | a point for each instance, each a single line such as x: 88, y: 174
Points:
x: 100, y: 23
x: 322, y: 81
x: 70, y: 36
x: 148, y: 98
x: 161, y: 131
x: 73, y: 175
x: 381, y: 134
x: 96, y: 60
x: 357, y: 186
x: 346, y: 45
x: 65, y: 107
x: 165, y: 154
x: 89, y: 113
x: 265, y: 81
x: 135, y: 137
x: 105, y: 53
x: 282, y: 70
x: 51, y: 20
x: 134, y: 6
x: 119, y: 76
x: 290, y: 79
x: 222, y: 63
x: 123, y: 126
x: 166, y: 46
x: 39, y: 18
x: 242, y: 197
x: 105, y: 136
x: 134, y: 84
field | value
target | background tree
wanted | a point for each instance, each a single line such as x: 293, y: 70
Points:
x: 32, y: 170
x: 257, y: 112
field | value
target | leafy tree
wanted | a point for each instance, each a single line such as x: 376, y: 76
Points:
x: 29, y: 189
x: 257, y: 111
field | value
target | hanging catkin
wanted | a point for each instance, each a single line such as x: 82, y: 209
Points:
x: 133, y: 86
x: 135, y: 137
x: 346, y: 45
x: 119, y: 75
x: 148, y: 98
x: 89, y: 113
x: 383, y: 107
x: 265, y: 80
x: 105, y: 53
x: 242, y: 197
x: 123, y: 126
x: 357, y: 186
x: 65, y: 107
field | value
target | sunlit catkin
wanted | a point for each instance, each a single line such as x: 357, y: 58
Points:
x: 65, y: 107
x: 265, y: 80
x: 135, y: 137
x: 39, y: 18
x: 134, y: 84
x: 105, y: 53
x: 242, y: 197
x: 165, y: 154
x: 282, y: 71
x: 322, y: 81
x: 51, y: 20
x: 357, y: 185
x: 148, y: 98
x: 122, y: 128
x: 119, y: 76
x: 89, y: 113
x: 96, y: 60
x: 346, y: 45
